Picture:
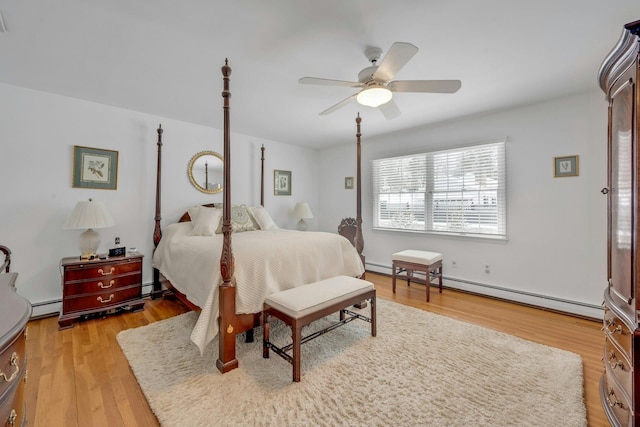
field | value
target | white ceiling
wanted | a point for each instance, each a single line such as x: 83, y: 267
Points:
x: 163, y: 57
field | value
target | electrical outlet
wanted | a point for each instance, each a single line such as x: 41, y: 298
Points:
x: 117, y: 241
x: 453, y: 263
x: 487, y: 269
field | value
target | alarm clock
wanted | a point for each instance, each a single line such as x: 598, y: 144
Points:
x: 117, y: 252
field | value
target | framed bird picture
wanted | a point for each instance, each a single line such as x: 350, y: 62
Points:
x: 95, y: 168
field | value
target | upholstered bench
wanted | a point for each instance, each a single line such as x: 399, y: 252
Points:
x: 404, y: 263
x: 300, y: 306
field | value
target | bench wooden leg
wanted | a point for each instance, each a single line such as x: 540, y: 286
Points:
x: 265, y: 336
x: 297, y: 338
x: 374, y: 327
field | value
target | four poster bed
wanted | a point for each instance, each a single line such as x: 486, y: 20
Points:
x: 229, y: 290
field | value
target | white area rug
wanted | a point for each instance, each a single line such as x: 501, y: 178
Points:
x: 422, y: 369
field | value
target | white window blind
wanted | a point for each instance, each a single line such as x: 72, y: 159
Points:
x: 456, y: 191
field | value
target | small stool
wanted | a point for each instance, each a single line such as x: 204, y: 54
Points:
x: 411, y: 260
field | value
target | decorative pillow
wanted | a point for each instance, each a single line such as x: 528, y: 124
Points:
x: 204, y: 220
x: 241, y: 220
x: 262, y: 217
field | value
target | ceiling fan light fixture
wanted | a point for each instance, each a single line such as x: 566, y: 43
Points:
x: 374, y: 96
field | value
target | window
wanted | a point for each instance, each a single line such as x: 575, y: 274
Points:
x: 458, y: 191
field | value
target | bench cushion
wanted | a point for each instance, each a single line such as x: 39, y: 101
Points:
x: 302, y: 300
x: 417, y: 257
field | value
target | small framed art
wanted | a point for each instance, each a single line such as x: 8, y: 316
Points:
x: 281, y: 183
x: 565, y: 166
x: 348, y: 183
x: 95, y: 168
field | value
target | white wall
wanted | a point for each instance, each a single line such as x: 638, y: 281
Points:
x: 556, y: 226
x: 38, y: 132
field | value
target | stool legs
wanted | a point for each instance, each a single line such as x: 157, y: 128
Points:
x: 432, y: 272
x: 393, y: 276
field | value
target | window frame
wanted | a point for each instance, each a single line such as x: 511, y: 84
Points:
x: 484, y: 217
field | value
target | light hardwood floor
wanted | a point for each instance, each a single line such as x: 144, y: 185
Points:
x: 79, y: 376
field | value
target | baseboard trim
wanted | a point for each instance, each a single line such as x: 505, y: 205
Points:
x: 546, y: 302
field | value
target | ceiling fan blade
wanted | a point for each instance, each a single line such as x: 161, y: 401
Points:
x: 431, y: 86
x: 390, y: 110
x: 327, y: 82
x: 398, y: 55
x: 339, y: 105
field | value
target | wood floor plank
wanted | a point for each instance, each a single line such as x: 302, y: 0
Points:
x: 80, y: 377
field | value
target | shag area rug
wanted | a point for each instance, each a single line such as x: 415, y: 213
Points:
x: 422, y: 369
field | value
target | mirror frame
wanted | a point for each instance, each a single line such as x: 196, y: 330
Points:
x: 190, y: 171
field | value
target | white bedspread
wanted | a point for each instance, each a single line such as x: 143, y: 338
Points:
x: 265, y: 262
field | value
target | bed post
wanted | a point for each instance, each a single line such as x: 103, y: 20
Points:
x: 262, y: 176
x: 227, y: 299
x: 358, y: 241
x: 156, y: 291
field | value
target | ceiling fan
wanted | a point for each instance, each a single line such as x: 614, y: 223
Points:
x: 376, y: 86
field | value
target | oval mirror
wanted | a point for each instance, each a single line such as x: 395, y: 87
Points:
x: 206, y: 172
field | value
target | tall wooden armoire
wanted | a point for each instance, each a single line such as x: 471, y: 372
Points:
x: 620, y: 382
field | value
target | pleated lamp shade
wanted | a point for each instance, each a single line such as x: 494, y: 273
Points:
x: 89, y: 214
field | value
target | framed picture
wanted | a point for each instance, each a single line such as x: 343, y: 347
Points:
x: 281, y: 183
x: 348, y: 183
x: 565, y: 166
x: 95, y: 168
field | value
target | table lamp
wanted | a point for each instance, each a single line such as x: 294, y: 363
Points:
x: 302, y: 211
x: 89, y: 215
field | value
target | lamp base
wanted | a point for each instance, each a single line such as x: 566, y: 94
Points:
x: 89, y: 242
x: 301, y: 226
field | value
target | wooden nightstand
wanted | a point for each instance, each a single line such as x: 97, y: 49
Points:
x: 99, y: 285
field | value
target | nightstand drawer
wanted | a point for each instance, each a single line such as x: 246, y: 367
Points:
x: 101, y: 285
x: 102, y: 300
x: 103, y: 270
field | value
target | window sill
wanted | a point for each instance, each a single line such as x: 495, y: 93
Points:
x: 449, y: 235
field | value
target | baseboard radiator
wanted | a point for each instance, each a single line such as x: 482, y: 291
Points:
x: 53, y: 307
x: 578, y: 308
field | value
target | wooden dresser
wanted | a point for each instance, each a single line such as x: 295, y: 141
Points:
x: 15, y: 312
x: 98, y: 286
x: 620, y: 382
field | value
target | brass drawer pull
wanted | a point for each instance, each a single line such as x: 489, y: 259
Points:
x: 11, y: 421
x: 100, y: 271
x: 100, y: 300
x: 616, y: 363
x: 13, y: 362
x: 615, y: 402
x: 103, y: 286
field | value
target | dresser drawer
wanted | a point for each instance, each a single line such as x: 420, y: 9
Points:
x: 618, y: 365
x: 101, y: 300
x: 12, y: 407
x: 616, y: 330
x: 103, y: 284
x: 12, y: 363
x: 615, y: 402
x: 103, y: 270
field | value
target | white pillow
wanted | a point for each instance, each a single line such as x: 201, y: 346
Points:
x: 205, y: 222
x: 262, y: 217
